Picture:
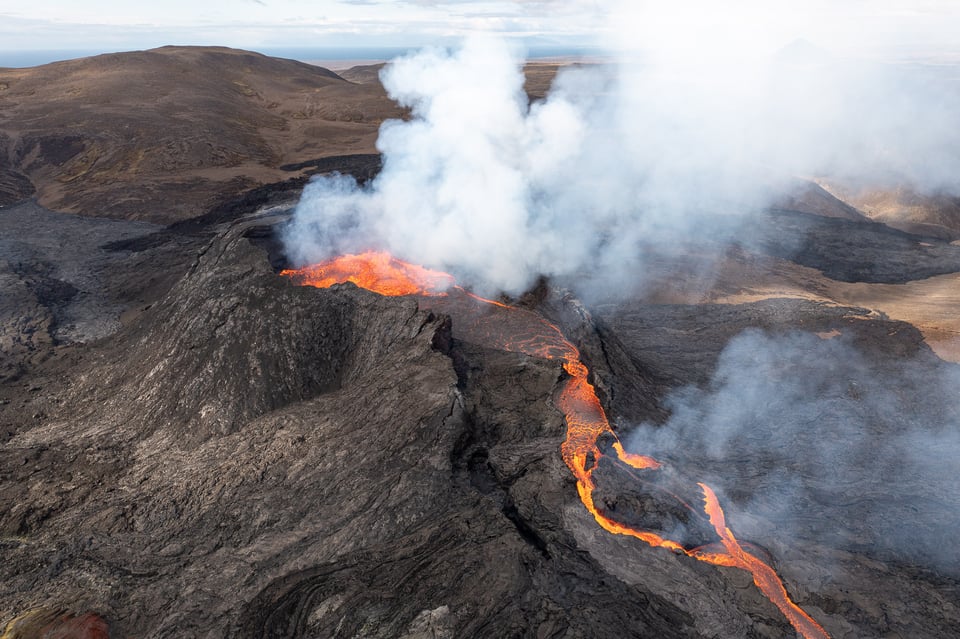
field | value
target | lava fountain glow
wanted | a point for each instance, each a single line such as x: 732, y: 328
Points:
x: 586, y: 420
x: 377, y: 272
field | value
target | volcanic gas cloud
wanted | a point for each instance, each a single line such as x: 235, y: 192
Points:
x: 642, y: 151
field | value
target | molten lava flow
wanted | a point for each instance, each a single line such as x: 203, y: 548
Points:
x: 587, y: 423
x: 763, y: 575
x: 377, y: 272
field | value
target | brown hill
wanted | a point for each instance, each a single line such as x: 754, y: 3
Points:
x: 363, y: 73
x: 539, y: 76
x: 161, y: 135
x: 809, y: 197
x: 902, y: 207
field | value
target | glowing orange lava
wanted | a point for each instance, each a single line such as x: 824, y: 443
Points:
x: 586, y: 421
x: 763, y: 575
x: 375, y: 271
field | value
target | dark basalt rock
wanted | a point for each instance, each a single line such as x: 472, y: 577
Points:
x: 362, y: 166
x: 682, y: 342
x: 252, y: 458
x: 855, y: 251
x: 249, y: 458
x: 14, y: 186
x: 59, y: 286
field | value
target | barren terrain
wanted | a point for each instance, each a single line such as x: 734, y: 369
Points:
x: 192, y: 445
x: 165, y: 134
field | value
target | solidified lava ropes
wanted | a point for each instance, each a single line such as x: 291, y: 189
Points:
x: 586, y: 421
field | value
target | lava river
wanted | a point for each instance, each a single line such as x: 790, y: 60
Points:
x: 586, y: 421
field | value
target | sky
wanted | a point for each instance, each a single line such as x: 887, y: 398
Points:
x: 51, y: 24
x: 919, y: 27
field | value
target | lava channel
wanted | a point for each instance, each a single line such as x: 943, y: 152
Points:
x: 586, y: 420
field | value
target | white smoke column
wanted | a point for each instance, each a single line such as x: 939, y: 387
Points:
x: 482, y: 184
x: 461, y: 180
x: 702, y: 120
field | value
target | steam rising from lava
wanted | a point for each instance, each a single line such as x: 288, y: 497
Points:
x: 461, y: 180
x: 855, y: 452
x: 658, y: 145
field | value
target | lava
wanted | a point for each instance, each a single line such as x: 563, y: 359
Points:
x: 587, y: 423
x: 375, y: 271
x: 763, y: 575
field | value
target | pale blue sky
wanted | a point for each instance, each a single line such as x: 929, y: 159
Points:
x: 924, y: 26
x: 49, y: 24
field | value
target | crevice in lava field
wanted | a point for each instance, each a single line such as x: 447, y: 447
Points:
x: 527, y: 532
x: 470, y: 457
x: 51, y: 293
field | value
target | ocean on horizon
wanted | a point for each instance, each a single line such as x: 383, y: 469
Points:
x: 20, y: 58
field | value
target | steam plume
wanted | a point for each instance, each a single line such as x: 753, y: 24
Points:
x: 687, y: 132
x: 641, y: 151
x: 843, y: 448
